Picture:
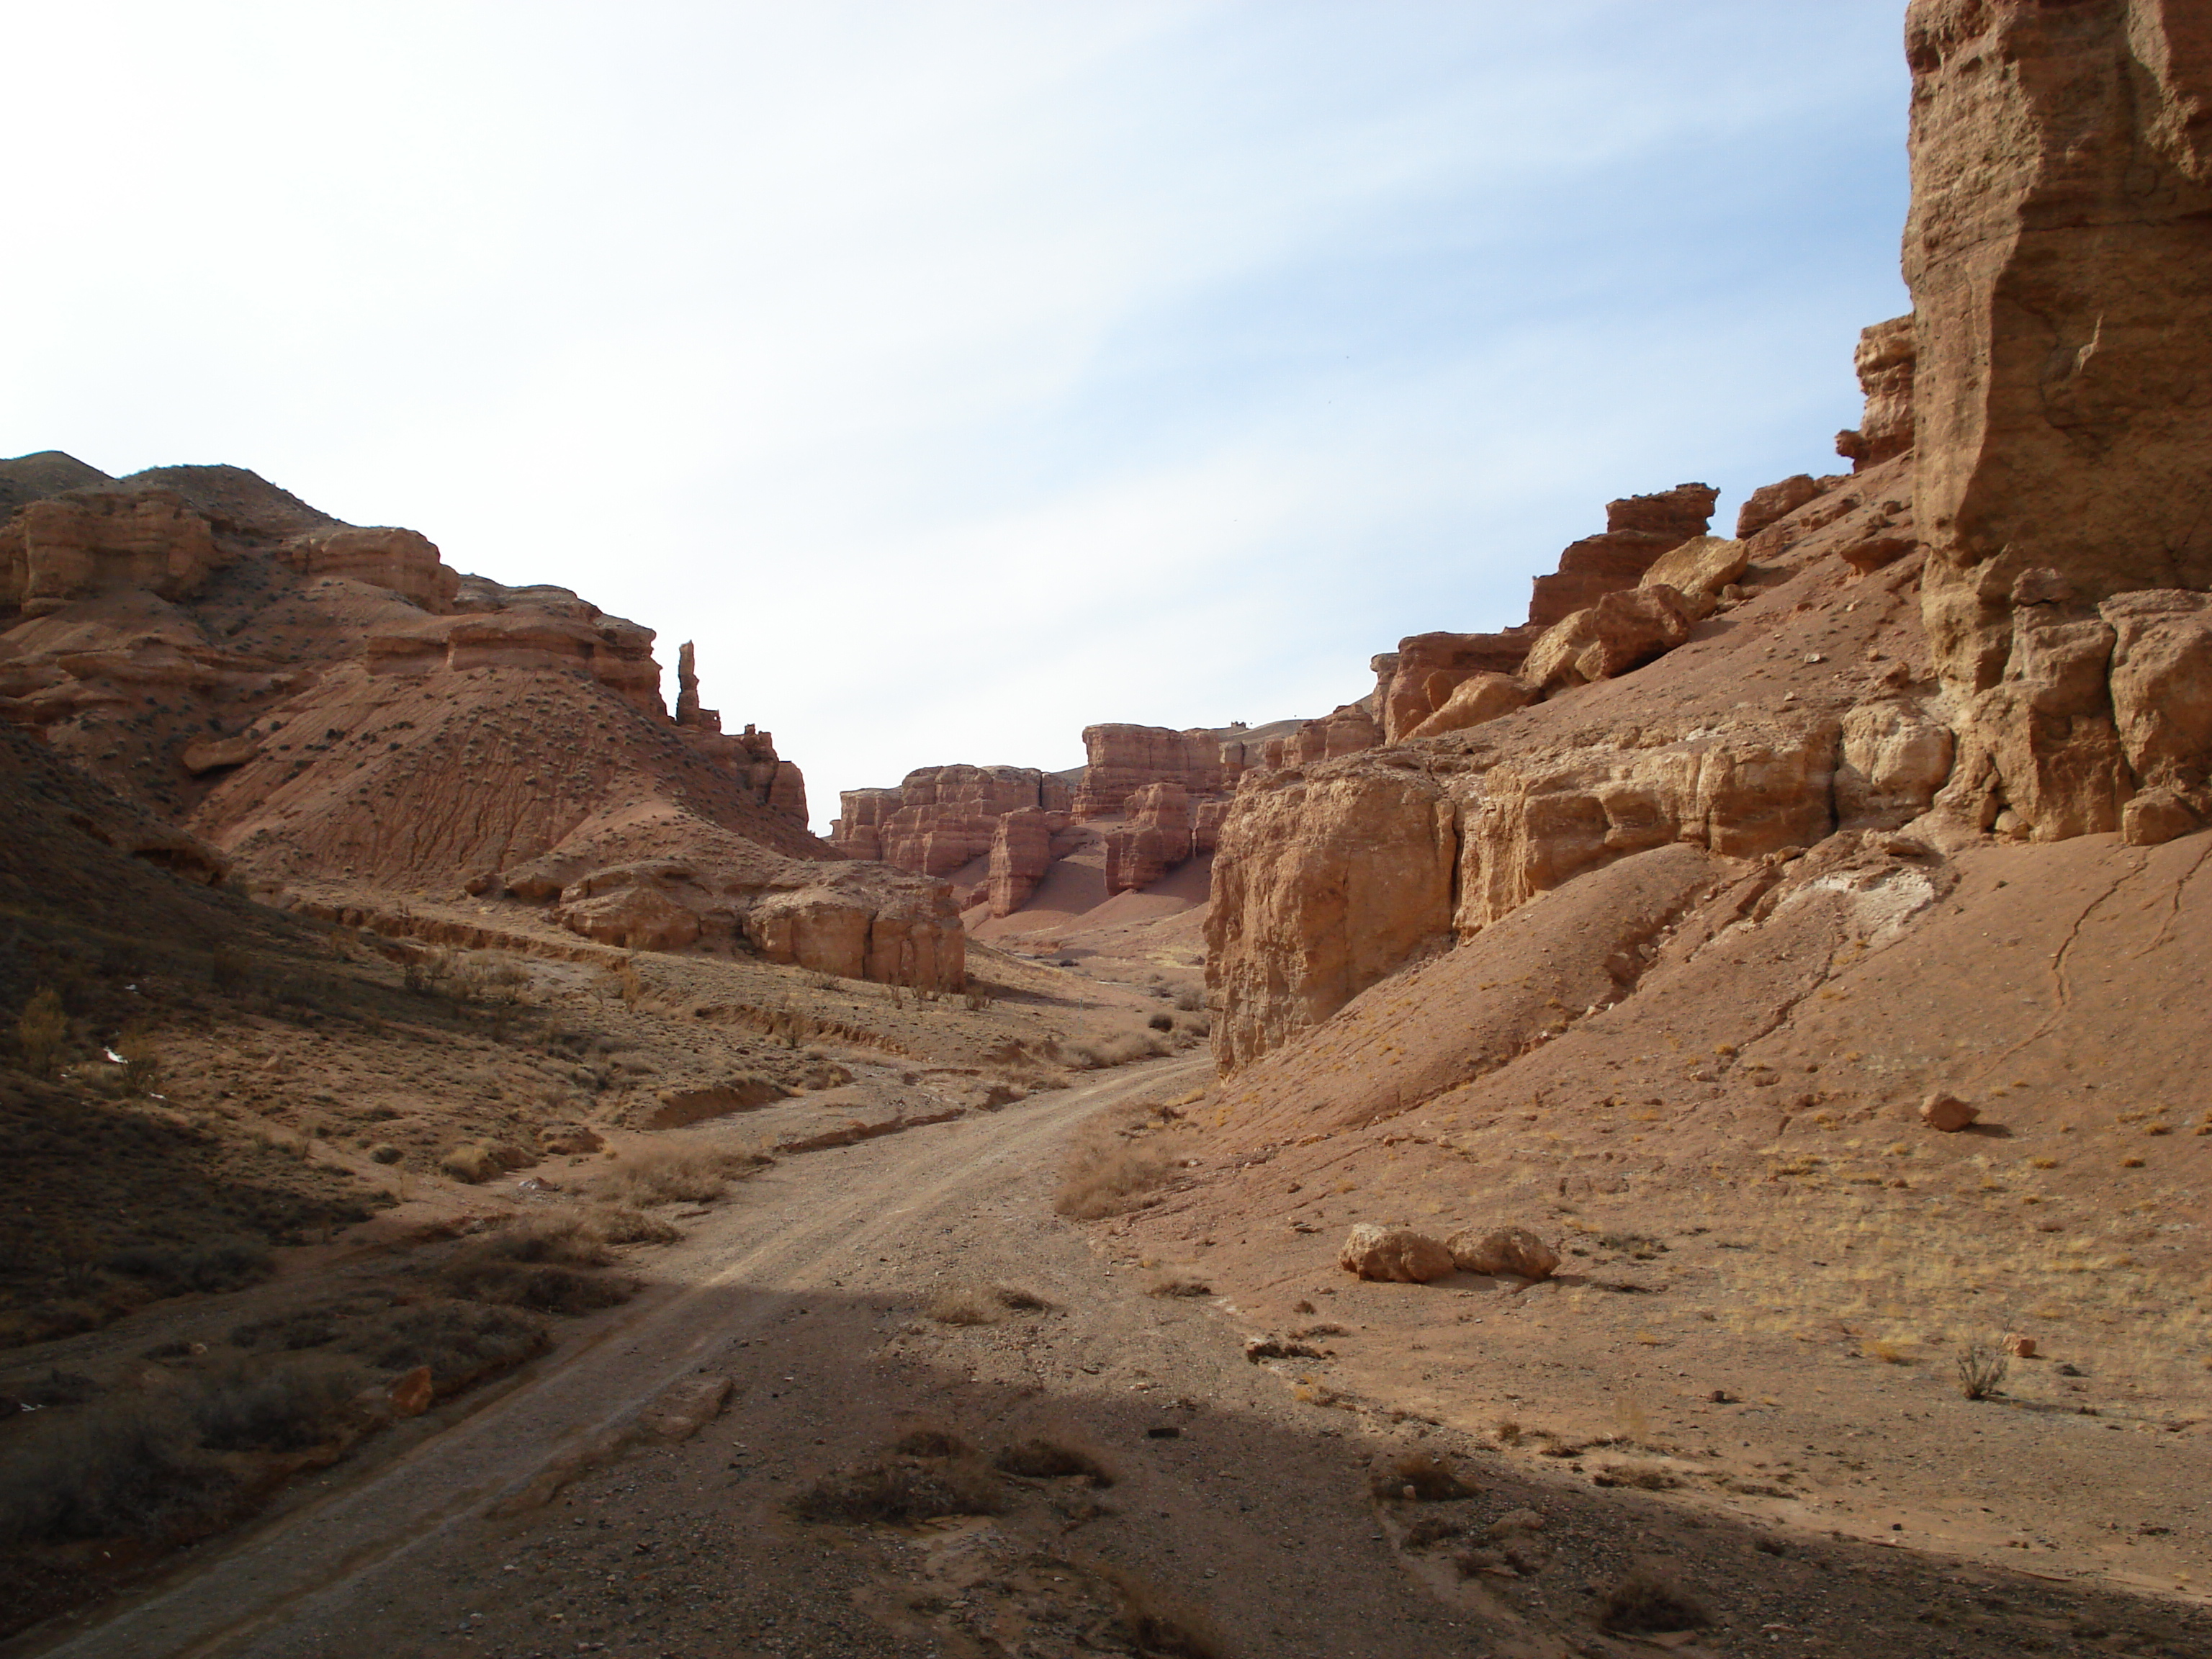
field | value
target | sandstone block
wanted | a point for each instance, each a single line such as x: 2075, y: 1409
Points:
x: 1947, y: 1113
x: 1894, y: 759
x: 211, y: 754
x: 1622, y: 631
x: 2019, y: 1345
x: 1475, y: 700
x: 1771, y: 502
x: 1513, y: 1251
x: 1397, y: 1255
x: 642, y: 917
x: 2156, y: 817
x: 1700, y: 570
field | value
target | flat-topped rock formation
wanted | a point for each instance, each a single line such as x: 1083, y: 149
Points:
x: 322, y: 702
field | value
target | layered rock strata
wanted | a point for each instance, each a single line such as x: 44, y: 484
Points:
x: 2062, y: 280
x: 323, y: 703
x: 942, y: 817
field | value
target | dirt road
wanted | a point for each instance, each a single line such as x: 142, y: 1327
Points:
x: 1239, y: 1519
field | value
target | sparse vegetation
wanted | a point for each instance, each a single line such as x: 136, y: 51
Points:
x: 964, y: 1305
x: 1420, y: 1477
x: 42, y: 1031
x: 1041, y: 1458
x: 1649, y: 1601
x: 1982, y: 1367
x: 897, y: 1487
x: 1107, y: 1173
x: 674, y: 1175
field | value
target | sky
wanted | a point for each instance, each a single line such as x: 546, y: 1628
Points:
x: 958, y: 373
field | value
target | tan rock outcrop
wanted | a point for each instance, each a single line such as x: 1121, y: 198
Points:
x: 1158, y: 837
x: 1638, y: 530
x: 404, y: 561
x: 1348, y: 731
x: 1394, y: 1254
x: 1773, y: 503
x: 1893, y: 760
x: 2061, y: 177
x: 1624, y: 630
x: 2161, y: 688
x: 66, y: 547
x: 1427, y: 668
x: 1475, y: 700
x: 1885, y: 358
x: 2043, y: 743
x: 1513, y: 1251
x: 1123, y: 759
x: 940, y: 817
x: 1021, y: 853
x: 1322, y: 887
x: 1698, y: 570
x: 1544, y: 818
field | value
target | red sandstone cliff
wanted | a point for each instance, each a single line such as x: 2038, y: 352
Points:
x: 325, y: 703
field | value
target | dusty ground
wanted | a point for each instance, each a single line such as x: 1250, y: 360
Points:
x: 524, y: 1526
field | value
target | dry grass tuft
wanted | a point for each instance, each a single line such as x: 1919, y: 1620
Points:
x: 1982, y: 1368
x: 964, y: 1305
x: 674, y: 1174
x: 1419, y: 1477
x: 1018, y: 1299
x: 1041, y: 1458
x: 895, y: 1489
x: 1649, y: 1601
x: 1107, y: 1174
x: 1172, y: 1284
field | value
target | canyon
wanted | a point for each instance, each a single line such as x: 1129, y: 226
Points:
x: 1699, y: 1065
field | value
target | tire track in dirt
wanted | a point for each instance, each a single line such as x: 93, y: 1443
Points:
x: 817, y: 1219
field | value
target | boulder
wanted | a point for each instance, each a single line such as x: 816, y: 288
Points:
x: 684, y: 1408
x: 1475, y: 700
x: 1893, y: 760
x: 1947, y: 1113
x: 1772, y: 502
x: 1638, y: 530
x: 212, y: 754
x: 1425, y: 669
x: 1698, y: 570
x: 409, y: 1396
x: 638, y: 918
x: 2019, y: 1345
x: 1396, y: 1255
x: 1502, y: 1251
x: 1622, y: 631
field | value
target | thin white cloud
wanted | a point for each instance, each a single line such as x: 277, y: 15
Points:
x: 958, y: 374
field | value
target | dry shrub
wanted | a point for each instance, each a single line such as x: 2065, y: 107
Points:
x: 1646, y: 1476
x: 460, y: 1341
x: 128, y: 1469
x: 931, y: 1443
x: 1098, y: 1053
x: 1041, y: 1458
x: 674, y: 1174
x: 1170, y: 1284
x: 1432, y: 1529
x: 1107, y: 1173
x: 570, y: 1239
x: 1649, y: 1602
x: 41, y: 1031
x: 1020, y: 1300
x: 474, y: 1162
x: 1420, y: 1478
x: 618, y: 1224
x: 229, y: 1264
x: 964, y: 1305
x: 542, y: 1287
x: 140, y: 1467
x: 1159, y: 1628
x: 1982, y: 1368
x: 894, y: 1489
